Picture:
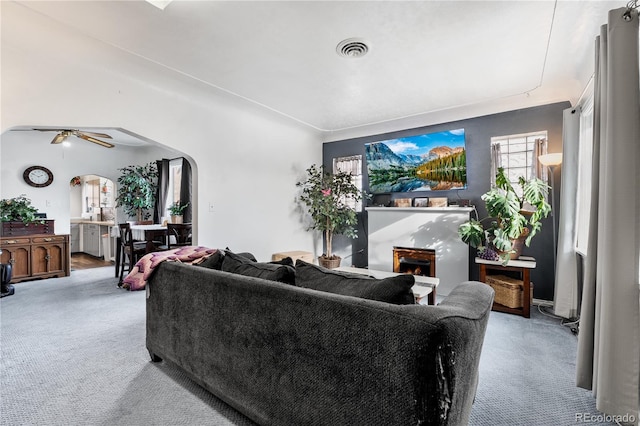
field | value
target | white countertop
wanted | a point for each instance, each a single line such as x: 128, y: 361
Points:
x: 94, y: 222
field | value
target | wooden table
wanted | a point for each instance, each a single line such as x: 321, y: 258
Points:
x: 523, y: 265
x: 148, y: 233
x: 424, y: 286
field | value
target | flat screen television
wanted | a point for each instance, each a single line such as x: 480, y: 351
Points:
x: 428, y: 162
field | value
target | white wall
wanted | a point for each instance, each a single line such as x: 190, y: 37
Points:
x: 247, y: 159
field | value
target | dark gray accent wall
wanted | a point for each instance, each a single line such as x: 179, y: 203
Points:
x: 478, y: 134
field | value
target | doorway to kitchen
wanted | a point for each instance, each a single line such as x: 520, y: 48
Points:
x: 92, y: 216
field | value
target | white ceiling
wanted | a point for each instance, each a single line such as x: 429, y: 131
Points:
x: 425, y: 56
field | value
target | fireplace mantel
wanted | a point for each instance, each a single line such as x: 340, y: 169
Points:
x: 421, y: 227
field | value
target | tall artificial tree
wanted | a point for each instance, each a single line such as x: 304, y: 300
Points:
x: 137, y: 190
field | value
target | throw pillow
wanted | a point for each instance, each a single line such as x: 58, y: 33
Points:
x: 241, y: 265
x: 214, y: 261
x: 283, y: 261
x: 396, y: 290
x: 245, y: 254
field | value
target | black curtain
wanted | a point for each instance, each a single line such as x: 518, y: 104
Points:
x: 161, y: 192
x: 185, y: 191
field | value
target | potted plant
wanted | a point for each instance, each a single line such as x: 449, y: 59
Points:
x: 137, y: 187
x: 326, y: 197
x: 175, y: 210
x: 17, y: 214
x: 18, y: 209
x: 514, y: 218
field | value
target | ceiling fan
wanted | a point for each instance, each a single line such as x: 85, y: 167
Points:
x: 87, y: 136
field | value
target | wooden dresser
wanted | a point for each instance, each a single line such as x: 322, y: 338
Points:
x: 36, y: 256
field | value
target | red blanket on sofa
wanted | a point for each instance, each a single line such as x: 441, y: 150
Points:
x: 142, y: 270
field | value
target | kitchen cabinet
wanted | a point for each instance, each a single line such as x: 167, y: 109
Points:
x: 74, y: 241
x: 91, y: 243
x: 91, y: 236
x: 36, y: 256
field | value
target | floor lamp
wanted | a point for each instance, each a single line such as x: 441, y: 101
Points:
x: 552, y: 161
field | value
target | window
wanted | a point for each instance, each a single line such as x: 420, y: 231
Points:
x: 585, y: 154
x: 353, y: 165
x: 518, y: 155
x: 175, y: 179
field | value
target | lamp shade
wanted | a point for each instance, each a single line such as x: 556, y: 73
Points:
x: 550, y: 159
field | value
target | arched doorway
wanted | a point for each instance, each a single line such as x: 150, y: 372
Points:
x: 92, y: 215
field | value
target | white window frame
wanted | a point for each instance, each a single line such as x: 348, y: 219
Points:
x: 508, y: 152
x: 585, y: 167
x: 351, y: 164
x: 173, y: 192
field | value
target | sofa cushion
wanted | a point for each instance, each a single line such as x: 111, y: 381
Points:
x: 214, y: 261
x: 396, y: 290
x: 242, y: 265
x: 284, y: 261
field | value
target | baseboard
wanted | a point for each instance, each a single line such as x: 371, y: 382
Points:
x: 542, y: 302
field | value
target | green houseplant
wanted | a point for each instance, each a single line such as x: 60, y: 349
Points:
x: 137, y: 187
x: 175, y: 210
x: 18, y: 209
x: 514, y: 217
x: 327, y: 198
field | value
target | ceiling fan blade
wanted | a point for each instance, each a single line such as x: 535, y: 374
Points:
x: 60, y: 137
x: 94, y: 140
x: 96, y: 135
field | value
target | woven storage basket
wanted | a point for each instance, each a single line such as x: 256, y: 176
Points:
x: 508, y: 290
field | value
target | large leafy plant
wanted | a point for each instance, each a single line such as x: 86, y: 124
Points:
x: 137, y: 186
x: 511, y: 215
x: 18, y: 209
x: 327, y: 197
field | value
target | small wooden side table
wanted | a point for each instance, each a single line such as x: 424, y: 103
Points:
x: 523, y: 265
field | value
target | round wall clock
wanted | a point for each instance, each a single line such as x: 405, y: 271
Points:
x: 38, y: 176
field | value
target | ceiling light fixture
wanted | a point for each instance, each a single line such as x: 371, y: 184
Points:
x: 160, y: 4
x: 352, y: 48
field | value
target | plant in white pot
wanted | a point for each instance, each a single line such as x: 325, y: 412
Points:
x: 175, y: 210
x: 327, y: 197
x: 515, y: 218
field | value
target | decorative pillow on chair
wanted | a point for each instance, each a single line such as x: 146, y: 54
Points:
x: 396, y: 290
x: 242, y: 265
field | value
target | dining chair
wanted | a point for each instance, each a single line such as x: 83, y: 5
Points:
x: 181, y: 232
x: 158, y: 239
x: 131, y: 250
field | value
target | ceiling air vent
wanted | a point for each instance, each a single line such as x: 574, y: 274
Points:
x: 352, y: 48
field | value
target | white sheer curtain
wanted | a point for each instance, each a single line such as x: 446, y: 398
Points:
x: 608, y: 360
x: 566, y: 286
x: 496, y: 161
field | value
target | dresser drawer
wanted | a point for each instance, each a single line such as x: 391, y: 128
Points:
x: 15, y: 229
x: 49, y: 239
x: 14, y: 241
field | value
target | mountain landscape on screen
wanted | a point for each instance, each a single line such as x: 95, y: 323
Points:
x: 428, y: 162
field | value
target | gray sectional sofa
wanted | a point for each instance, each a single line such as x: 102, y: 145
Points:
x: 283, y: 354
